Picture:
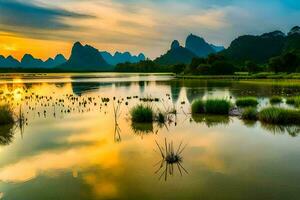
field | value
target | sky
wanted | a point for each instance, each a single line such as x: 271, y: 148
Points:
x: 45, y: 28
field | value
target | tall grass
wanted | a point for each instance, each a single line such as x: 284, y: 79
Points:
x: 282, y: 116
x: 142, y: 114
x: 217, y: 106
x: 198, y: 107
x: 6, y: 115
x: 246, y: 101
x: 211, y: 106
x: 290, y: 100
x: 275, y: 99
x: 297, y: 101
x: 249, y: 113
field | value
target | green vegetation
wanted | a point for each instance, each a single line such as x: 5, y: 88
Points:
x: 290, y: 100
x: 6, y: 115
x: 250, y: 113
x: 283, y: 116
x: 211, y: 106
x: 161, y: 118
x: 275, y: 99
x: 246, y: 101
x: 142, y: 114
x: 217, y: 106
x: 198, y: 107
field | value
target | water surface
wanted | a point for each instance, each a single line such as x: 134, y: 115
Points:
x: 73, y: 147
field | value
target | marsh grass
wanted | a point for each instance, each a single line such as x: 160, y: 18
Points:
x: 142, y: 114
x: 290, y: 101
x: 247, y: 102
x: 211, y: 106
x: 276, y: 100
x: 6, y: 134
x: 217, y: 106
x: 6, y: 115
x: 198, y: 107
x: 160, y: 117
x: 297, y: 101
x: 250, y: 113
x: 282, y: 116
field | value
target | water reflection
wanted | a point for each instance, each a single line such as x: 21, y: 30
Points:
x: 293, y: 131
x: 75, y: 138
x: 211, y: 120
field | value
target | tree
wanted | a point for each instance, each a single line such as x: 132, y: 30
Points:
x: 179, y: 68
x: 251, y: 66
x: 222, y: 68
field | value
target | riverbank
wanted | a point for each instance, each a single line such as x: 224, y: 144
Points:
x: 243, y: 76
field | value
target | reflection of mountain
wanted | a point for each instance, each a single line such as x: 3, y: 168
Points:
x: 194, y: 93
x: 175, y: 90
x: 80, y: 88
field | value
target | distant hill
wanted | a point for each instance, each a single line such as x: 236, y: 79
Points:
x: 28, y: 61
x: 85, y: 58
x: 176, y: 55
x: 121, y: 57
x: 217, y: 48
x: 263, y: 47
x: 199, y: 46
x: 8, y: 62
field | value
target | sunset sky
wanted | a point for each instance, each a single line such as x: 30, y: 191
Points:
x: 47, y: 27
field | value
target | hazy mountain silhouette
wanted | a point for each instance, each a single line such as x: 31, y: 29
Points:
x: 28, y: 61
x: 85, y: 58
x: 176, y: 55
x: 198, y: 46
x: 51, y: 63
x: 217, y: 48
x: 9, y: 62
x: 121, y: 57
x: 263, y: 47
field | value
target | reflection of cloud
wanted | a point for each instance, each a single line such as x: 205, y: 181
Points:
x: 29, y: 168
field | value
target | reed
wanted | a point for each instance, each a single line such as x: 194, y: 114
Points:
x: 142, y: 114
x: 247, y: 101
x: 282, y: 116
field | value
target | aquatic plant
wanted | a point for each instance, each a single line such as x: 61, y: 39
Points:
x: 160, y: 118
x: 297, y: 101
x: 170, y: 157
x: 6, y: 115
x: 198, y: 106
x: 283, y: 116
x: 290, y: 100
x: 142, y: 114
x: 6, y: 134
x: 250, y: 113
x: 217, y: 106
x: 275, y: 99
x: 247, y: 101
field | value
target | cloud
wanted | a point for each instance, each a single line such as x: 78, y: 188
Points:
x: 32, y: 20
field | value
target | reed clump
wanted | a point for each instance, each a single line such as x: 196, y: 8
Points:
x: 142, y: 114
x: 275, y: 100
x: 6, y: 115
x: 282, y: 116
x: 211, y: 106
x: 247, y: 102
x: 250, y: 113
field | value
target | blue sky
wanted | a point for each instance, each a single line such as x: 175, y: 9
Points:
x: 147, y: 26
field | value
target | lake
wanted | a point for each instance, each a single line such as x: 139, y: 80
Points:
x: 73, y: 145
